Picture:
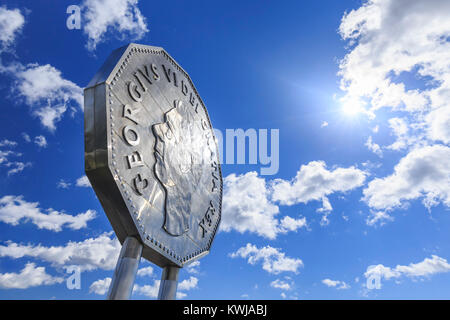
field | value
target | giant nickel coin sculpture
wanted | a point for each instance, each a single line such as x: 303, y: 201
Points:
x: 152, y: 158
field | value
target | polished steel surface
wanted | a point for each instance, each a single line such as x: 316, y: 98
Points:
x: 127, y: 265
x: 151, y: 155
x: 168, y: 284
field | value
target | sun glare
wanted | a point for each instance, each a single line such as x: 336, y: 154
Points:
x: 351, y: 108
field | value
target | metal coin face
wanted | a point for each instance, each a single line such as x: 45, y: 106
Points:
x: 151, y: 155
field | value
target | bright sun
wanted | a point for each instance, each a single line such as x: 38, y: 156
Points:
x: 351, y: 108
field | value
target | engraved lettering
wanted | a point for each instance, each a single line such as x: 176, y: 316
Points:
x: 130, y: 113
x: 168, y: 72
x: 214, y: 187
x: 201, y: 225
x: 131, y: 136
x: 184, y: 88
x: 207, y: 218
x: 156, y: 76
x: 146, y: 74
x: 135, y: 160
x: 211, y: 208
x: 192, y: 99
x: 133, y: 91
x: 140, y: 184
x: 215, y: 177
x: 205, y: 127
x: 136, y: 75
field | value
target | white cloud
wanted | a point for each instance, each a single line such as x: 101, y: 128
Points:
x: 325, y: 209
x: 26, y: 137
x: 369, y: 165
x: 392, y: 42
x: 13, y: 210
x: 41, y: 141
x: 150, y: 291
x: 45, y: 84
x: 378, y: 218
x: 291, y: 224
x: 16, y: 166
x: 401, y: 129
x: 188, y: 284
x: 324, y: 124
x: 63, y: 184
x: 49, y: 116
x: 29, y: 276
x: 45, y: 90
x: 335, y: 284
x: 181, y: 295
x: 145, y: 272
x: 422, y: 173
x: 246, y: 206
x: 41, y: 86
x: 280, y: 284
x: 5, y: 155
x: 438, y: 123
x: 90, y: 254
x: 393, y: 37
x: 273, y: 260
x: 83, y: 182
x: 121, y: 18
x: 314, y: 181
x: 425, y: 268
x: 375, y: 148
x: 249, y: 203
x: 11, y: 23
x: 100, y: 286
x: 7, y: 143
x: 193, y: 267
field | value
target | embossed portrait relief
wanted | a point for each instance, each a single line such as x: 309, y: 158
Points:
x: 178, y: 164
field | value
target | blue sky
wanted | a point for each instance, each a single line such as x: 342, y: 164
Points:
x: 358, y: 91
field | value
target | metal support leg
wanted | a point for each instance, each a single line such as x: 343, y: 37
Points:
x: 127, y: 265
x: 169, y: 282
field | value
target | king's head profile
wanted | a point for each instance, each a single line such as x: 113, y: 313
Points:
x: 178, y: 164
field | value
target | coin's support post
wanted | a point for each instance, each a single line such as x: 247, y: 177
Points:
x: 169, y: 282
x: 127, y: 265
